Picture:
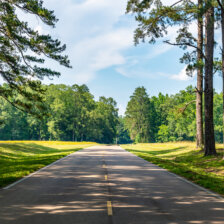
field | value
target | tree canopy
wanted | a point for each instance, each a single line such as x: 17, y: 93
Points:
x: 23, y: 51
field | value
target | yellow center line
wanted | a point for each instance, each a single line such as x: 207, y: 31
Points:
x: 109, y: 208
x: 106, y: 177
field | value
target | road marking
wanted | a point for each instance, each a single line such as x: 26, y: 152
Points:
x: 104, y: 166
x: 109, y: 208
x: 106, y: 177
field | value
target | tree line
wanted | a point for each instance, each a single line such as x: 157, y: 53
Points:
x: 71, y: 114
x: 165, y: 118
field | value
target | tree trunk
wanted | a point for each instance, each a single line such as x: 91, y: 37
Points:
x: 199, y: 92
x: 208, y: 103
x: 73, y: 135
x: 222, y: 14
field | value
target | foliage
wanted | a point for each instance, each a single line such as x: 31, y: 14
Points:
x: 170, y: 118
x: 123, y: 136
x: 137, y: 116
x: 74, y: 115
x: 105, y: 118
x: 218, y: 117
x: 23, y: 51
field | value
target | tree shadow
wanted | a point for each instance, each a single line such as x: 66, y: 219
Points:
x: 75, y: 191
x: 21, y: 159
x: 158, y: 152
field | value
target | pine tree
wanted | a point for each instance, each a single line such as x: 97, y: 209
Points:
x: 208, y: 90
x: 22, y: 51
x: 137, y: 116
x: 154, y: 18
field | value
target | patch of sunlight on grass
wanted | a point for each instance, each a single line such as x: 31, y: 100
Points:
x: 184, y: 159
x: 20, y: 158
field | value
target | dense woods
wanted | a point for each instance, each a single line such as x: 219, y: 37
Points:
x: 166, y: 118
x: 72, y: 115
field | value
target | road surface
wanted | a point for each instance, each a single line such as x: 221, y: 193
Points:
x: 107, y: 185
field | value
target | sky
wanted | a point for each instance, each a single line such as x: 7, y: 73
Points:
x: 99, y: 39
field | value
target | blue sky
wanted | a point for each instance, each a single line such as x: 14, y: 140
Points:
x: 99, y: 39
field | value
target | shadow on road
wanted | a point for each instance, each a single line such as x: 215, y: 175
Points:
x: 75, y: 191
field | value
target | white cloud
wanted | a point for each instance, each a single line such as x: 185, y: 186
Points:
x: 140, y: 73
x: 94, y: 33
x: 182, y: 76
x: 97, y: 36
x: 159, y: 49
x: 94, y: 54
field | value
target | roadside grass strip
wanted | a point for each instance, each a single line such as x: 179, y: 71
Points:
x: 183, y: 159
x: 20, y: 158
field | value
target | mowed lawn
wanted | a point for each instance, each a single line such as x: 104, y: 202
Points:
x: 183, y: 159
x: 20, y: 158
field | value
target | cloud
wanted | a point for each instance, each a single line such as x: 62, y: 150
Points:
x: 95, y: 33
x: 182, y: 76
x: 98, y: 34
x: 158, y: 50
x: 94, y: 54
x: 140, y: 73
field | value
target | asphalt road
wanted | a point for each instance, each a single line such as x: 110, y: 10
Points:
x: 106, y: 184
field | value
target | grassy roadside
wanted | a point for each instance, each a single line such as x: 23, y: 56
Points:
x: 20, y: 158
x: 183, y: 159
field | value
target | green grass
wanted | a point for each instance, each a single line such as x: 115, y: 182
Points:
x: 183, y: 159
x: 20, y: 158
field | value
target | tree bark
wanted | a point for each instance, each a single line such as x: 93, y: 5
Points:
x: 73, y: 135
x: 199, y: 92
x: 208, y: 99
x: 222, y: 22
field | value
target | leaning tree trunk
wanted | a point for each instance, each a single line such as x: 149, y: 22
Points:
x: 199, y: 92
x: 208, y: 99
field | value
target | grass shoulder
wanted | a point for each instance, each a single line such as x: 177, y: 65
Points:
x: 183, y: 159
x: 20, y: 158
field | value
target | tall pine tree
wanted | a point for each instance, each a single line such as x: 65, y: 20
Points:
x: 137, y: 116
x: 22, y: 51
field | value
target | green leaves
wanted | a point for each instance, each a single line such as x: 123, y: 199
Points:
x: 71, y: 114
x: 17, y: 67
x: 137, y: 114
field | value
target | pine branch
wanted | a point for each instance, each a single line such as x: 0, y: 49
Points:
x: 182, y: 110
x: 185, y: 44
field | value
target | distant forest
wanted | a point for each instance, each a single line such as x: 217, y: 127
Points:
x: 72, y: 114
x: 166, y: 118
